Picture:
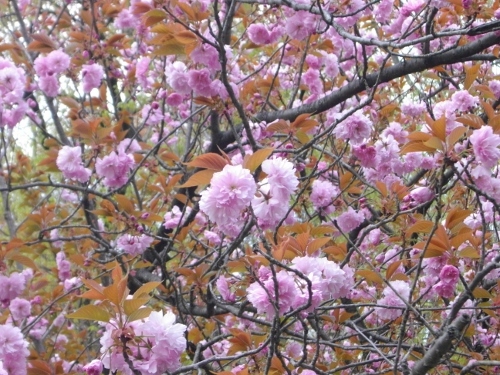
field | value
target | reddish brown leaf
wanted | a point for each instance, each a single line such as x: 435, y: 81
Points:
x: 211, y: 161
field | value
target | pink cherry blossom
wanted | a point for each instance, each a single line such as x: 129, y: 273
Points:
x: 412, y: 108
x: 331, y: 62
x: 258, y: 33
x: 281, y: 177
x: 173, y: 218
x: 12, y: 287
x: 353, y: 7
x: 396, y: 130
x: 134, y: 245
x: 142, y: 70
x: 356, y: 128
x: 63, y: 266
x: 177, y: 77
x: 300, y: 25
x: 12, y: 113
x: 114, y: 168
x: 420, y: 195
x: 69, y: 161
x: 49, y: 85
x: 495, y: 87
x: 367, y: 155
x: 112, y: 358
x: 20, y: 309
x: 313, y: 62
x: 224, y: 290
x: 72, y: 283
x: 48, y: 68
x: 485, y: 146
x: 54, y: 235
x: 13, y: 350
x: 151, y: 115
x: 12, y: 82
x: 55, y: 62
x: 326, y: 276
x: 267, y: 207
x: 91, y: 76
x: 128, y: 146
x: 174, y: 99
x: 322, y: 196
x: 463, y: 101
x: 260, y: 296
x: 200, y: 81
x: 231, y: 190
x: 126, y: 20
x: 449, y: 276
x: 391, y: 299
x: 207, y: 55
x: 383, y: 10
x: 167, y: 342
x: 434, y: 265
x: 261, y: 34
x: 350, y: 220
x: 312, y: 80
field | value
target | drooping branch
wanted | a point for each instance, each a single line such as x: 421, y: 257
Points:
x: 409, y: 66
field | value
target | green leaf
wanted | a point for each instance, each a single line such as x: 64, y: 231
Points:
x: 90, y: 312
x: 130, y: 306
x: 146, y: 288
x: 142, y: 313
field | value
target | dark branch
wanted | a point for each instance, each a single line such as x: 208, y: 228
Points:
x: 414, y: 65
x: 441, y: 346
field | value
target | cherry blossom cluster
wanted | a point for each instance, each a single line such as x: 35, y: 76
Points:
x: 233, y: 190
x: 152, y: 346
x: 112, y: 168
x: 13, y: 351
x: 13, y: 345
x: 13, y: 107
x: 91, y: 76
x: 133, y: 245
x: 70, y: 163
x: 392, y: 156
x: 318, y: 280
x: 48, y: 68
x: 13, y: 285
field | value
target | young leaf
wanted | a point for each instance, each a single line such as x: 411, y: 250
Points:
x: 132, y: 305
x: 142, y: 313
x: 146, y: 288
x: 199, y: 178
x: 90, y: 312
x: 255, y: 160
x: 211, y: 161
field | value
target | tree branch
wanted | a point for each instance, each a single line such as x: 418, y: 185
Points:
x: 441, y: 346
x: 413, y: 65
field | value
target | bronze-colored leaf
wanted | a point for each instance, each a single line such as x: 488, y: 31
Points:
x: 199, y: 178
x: 252, y: 162
x: 211, y: 161
x: 153, y: 16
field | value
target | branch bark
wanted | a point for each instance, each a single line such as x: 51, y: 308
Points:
x: 441, y: 346
x: 414, y: 65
